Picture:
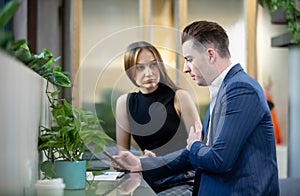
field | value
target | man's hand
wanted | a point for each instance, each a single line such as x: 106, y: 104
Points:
x: 129, y: 160
x: 194, y: 135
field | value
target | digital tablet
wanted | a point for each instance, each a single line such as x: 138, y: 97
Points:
x: 97, y: 165
x: 124, y: 169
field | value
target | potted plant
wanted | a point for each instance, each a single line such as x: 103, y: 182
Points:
x: 74, y: 131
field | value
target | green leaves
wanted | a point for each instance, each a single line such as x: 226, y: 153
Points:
x: 48, y: 169
x: 7, y: 12
x: 42, y: 63
x: 269, y: 3
x: 292, y: 15
x: 73, y: 129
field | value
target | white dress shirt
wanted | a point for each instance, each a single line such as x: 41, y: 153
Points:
x: 213, y: 90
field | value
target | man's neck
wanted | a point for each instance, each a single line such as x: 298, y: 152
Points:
x: 223, y: 64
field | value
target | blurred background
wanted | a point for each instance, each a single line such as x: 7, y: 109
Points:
x: 91, y: 37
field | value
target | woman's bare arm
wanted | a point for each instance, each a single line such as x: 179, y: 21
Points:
x: 186, y: 108
x: 123, y: 135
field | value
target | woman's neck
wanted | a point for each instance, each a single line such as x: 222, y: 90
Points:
x: 149, y: 90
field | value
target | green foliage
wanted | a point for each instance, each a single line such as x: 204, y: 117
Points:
x: 42, y: 63
x: 72, y: 130
x: 292, y: 15
x: 105, y: 110
x: 7, y: 12
x: 48, y: 169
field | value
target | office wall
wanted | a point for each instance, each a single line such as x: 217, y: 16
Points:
x: 23, y: 108
x: 108, y: 26
x: 273, y: 65
x: 231, y: 15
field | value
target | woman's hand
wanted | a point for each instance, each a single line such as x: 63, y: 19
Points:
x: 148, y: 153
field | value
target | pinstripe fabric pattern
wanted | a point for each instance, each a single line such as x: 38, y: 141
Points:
x: 182, y: 190
x: 242, y: 157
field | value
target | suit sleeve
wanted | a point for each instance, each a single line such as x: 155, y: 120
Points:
x: 239, y: 112
x: 156, y: 168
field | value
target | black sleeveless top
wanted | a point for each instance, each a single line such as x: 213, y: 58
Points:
x: 154, y: 123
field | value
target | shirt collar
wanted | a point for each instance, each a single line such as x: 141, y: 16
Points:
x: 216, y: 84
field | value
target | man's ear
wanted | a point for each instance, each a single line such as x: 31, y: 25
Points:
x: 211, y: 54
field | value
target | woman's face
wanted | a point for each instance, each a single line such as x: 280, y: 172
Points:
x: 146, y: 71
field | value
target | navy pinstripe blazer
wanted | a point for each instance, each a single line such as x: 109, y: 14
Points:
x: 241, y: 157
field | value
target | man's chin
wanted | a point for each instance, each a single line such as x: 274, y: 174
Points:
x: 201, y: 83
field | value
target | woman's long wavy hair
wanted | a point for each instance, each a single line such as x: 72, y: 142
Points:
x: 130, y: 60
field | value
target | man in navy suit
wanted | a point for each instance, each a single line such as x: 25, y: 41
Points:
x: 235, y: 152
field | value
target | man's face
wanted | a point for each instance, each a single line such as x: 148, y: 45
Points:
x: 197, y: 63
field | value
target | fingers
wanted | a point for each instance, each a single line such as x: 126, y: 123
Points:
x: 122, y: 153
x: 192, y: 129
x: 194, y: 135
x: 191, y: 133
x: 148, y: 153
x: 115, y: 165
x: 198, y: 126
x: 198, y: 130
x: 119, y: 161
x: 128, y: 162
x: 190, y: 138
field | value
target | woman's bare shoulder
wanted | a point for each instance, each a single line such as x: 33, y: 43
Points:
x: 122, y: 98
x: 183, y: 94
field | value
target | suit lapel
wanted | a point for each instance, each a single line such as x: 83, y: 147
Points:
x: 216, y: 113
x: 216, y: 110
x: 205, y: 125
x: 232, y: 72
